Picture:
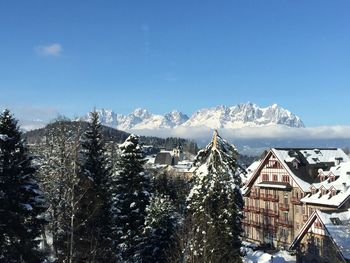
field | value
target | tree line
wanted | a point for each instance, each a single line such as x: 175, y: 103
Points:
x: 75, y: 201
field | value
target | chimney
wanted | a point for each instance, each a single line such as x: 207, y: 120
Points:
x: 345, y: 187
x: 338, y: 160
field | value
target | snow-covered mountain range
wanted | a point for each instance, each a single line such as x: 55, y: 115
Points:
x: 241, y: 115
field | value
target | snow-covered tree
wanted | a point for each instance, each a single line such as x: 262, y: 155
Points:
x: 58, y: 176
x: 159, y: 235
x: 93, y: 218
x: 215, y: 204
x: 132, y: 193
x: 21, y: 201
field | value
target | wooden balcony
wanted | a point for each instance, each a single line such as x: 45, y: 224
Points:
x: 254, y: 195
x: 245, y: 222
x: 255, y: 224
x: 285, y: 223
x: 269, y: 226
x: 251, y: 209
x: 269, y: 197
x: 269, y: 212
x: 295, y: 200
x: 246, y: 208
x: 283, y: 207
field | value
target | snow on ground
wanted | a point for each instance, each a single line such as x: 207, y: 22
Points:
x: 262, y: 257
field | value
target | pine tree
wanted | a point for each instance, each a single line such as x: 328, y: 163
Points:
x: 215, y: 203
x: 161, y: 223
x: 132, y: 193
x: 93, y: 218
x: 21, y: 202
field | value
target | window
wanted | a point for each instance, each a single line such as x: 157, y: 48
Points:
x: 333, y: 192
x: 265, y: 177
x: 285, y: 178
x: 274, y: 177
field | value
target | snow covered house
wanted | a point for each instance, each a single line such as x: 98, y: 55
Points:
x: 274, y: 209
x: 325, y: 238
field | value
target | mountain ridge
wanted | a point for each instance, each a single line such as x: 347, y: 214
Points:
x: 237, y: 116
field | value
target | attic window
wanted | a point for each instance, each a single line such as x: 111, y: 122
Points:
x: 318, y: 224
x: 333, y: 192
x: 336, y: 221
x: 323, y: 191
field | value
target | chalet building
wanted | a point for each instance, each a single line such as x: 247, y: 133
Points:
x: 325, y: 238
x: 278, y: 193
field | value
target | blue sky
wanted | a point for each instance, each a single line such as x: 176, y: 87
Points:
x: 69, y: 56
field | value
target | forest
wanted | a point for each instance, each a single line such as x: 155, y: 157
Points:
x: 73, y: 198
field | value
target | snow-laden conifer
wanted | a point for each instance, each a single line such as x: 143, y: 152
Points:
x: 132, y: 193
x: 159, y: 234
x: 215, y: 204
x: 21, y: 201
x: 92, y: 225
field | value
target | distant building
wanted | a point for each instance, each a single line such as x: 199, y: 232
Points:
x: 325, y: 238
x: 169, y: 157
x: 166, y: 158
x: 287, y: 186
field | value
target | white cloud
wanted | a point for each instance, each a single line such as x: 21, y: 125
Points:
x: 267, y: 132
x: 33, y: 117
x: 53, y: 49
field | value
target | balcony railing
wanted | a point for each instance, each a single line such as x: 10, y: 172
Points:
x: 269, y: 197
x: 268, y: 212
x: 255, y: 224
x: 269, y: 226
x: 251, y: 209
x: 295, y: 200
x: 254, y: 195
x: 245, y: 222
x: 285, y: 223
x: 283, y: 207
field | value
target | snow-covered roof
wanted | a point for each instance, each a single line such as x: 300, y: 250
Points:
x: 307, y: 158
x: 311, y: 156
x: 336, y: 225
x: 340, y: 186
x: 249, y: 171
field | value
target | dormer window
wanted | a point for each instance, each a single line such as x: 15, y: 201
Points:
x: 313, y: 191
x: 333, y: 192
x: 323, y: 191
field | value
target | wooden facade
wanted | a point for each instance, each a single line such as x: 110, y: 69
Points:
x: 273, y: 211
